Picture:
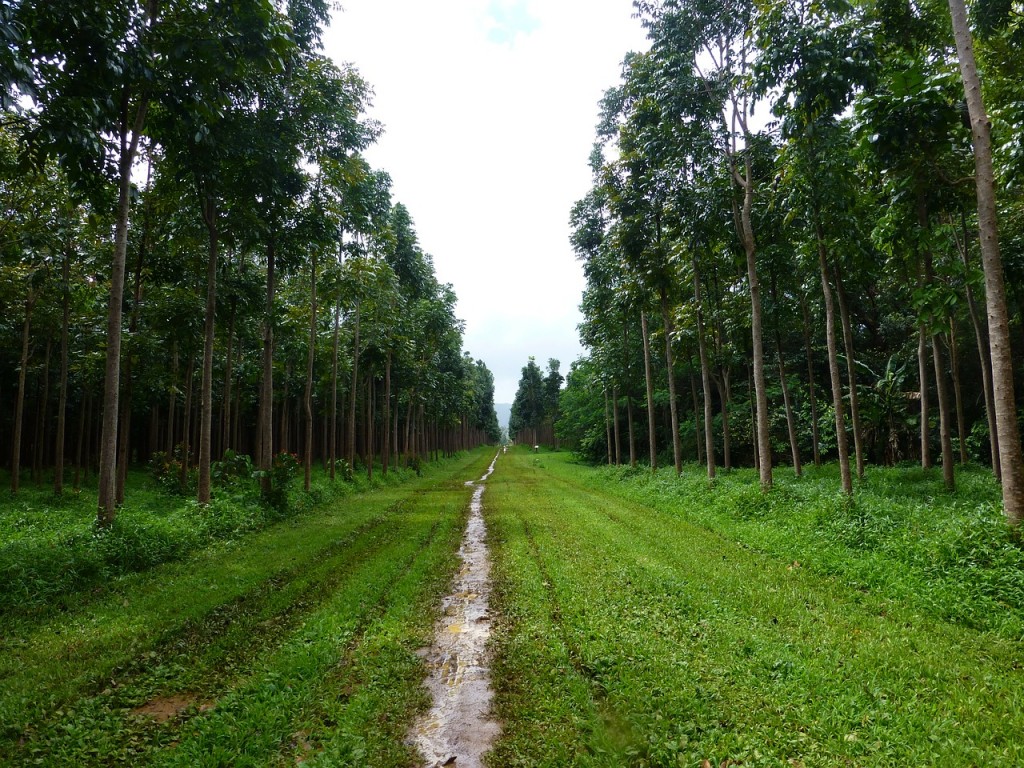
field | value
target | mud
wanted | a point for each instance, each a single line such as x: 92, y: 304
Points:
x: 458, y: 729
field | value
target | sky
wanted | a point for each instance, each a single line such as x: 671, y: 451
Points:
x: 489, y: 109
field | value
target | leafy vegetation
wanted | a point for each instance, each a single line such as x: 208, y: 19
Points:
x: 641, y: 628
x: 296, y: 642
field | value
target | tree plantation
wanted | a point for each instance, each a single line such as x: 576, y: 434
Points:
x: 258, y: 509
x: 792, y: 243
x: 200, y: 266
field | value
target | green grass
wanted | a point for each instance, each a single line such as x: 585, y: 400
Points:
x: 634, y: 632
x: 299, y: 640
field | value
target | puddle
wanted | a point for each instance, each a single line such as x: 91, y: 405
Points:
x: 458, y: 729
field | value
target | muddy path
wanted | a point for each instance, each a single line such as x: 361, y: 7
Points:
x: 458, y: 729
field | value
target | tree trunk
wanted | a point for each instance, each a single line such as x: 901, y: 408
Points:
x: 851, y: 371
x: 677, y: 445
x: 41, y: 420
x: 812, y: 398
x: 760, y: 389
x: 62, y: 400
x: 615, y: 426
x: 19, y: 404
x: 229, y: 371
x: 922, y: 371
x: 631, y: 430
x: 129, y: 144
x: 833, y: 366
x: 1010, y: 458
x: 266, y: 420
x: 307, y: 399
x: 206, y: 387
x: 172, y: 400
x: 648, y: 375
x: 84, y: 407
x: 350, y: 456
x: 698, y: 425
x: 705, y: 375
x: 608, y: 427
x: 385, y: 451
x: 954, y: 364
x: 945, y: 431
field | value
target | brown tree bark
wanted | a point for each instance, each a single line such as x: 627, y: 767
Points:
x: 129, y: 143
x: 649, y: 377
x: 945, y: 431
x: 350, y: 455
x: 833, y: 365
x: 705, y: 374
x: 209, y: 328
x: 62, y: 398
x: 1010, y: 457
x: 19, y: 403
x: 794, y: 446
x: 958, y: 397
x: 812, y: 398
x: 851, y: 369
x: 307, y: 398
x: 922, y: 374
x: 266, y: 418
x: 677, y: 445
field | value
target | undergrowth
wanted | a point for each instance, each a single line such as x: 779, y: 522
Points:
x: 51, y: 548
x: 901, y: 534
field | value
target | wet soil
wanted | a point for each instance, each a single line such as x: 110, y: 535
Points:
x: 458, y: 729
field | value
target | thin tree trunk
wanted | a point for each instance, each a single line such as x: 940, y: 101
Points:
x: 229, y: 372
x: 608, y: 427
x: 307, y: 399
x: 922, y: 372
x: 649, y: 377
x: 172, y: 399
x: 954, y: 361
x: 19, y: 404
x: 266, y: 419
x: 62, y: 400
x: 1010, y: 458
x: 851, y: 371
x: 206, y: 386
x: 84, y: 407
x: 615, y: 426
x: 385, y: 451
x: 632, y: 431
x: 129, y: 144
x: 677, y: 445
x: 812, y: 398
x: 698, y: 424
x: 833, y: 366
x: 41, y: 420
x: 705, y: 374
x: 948, y: 477
x: 351, y: 452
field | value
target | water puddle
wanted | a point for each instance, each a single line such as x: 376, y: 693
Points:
x: 458, y: 729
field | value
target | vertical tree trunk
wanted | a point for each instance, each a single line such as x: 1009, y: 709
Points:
x: 677, y: 446
x: 705, y: 374
x: 307, y: 399
x: 922, y: 372
x: 83, y: 409
x: 19, y: 403
x: 172, y: 399
x: 334, y: 392
x: 615, y: 426
x: 954, y: 364
x: 385, y: 451
x: 41, y: 420
x: 1010, y: 458
x: 266, y: 419
x: 698, y: 425
x: 226, y: 441
x: 62, y: 399
x: 649, y: 377
x: 760, y: 390
x: 851, y: 370
x: 945, y: 431
x: 815, y: 442
x: 632, y: 432
x: 833, y: 366
x: 206, y: 387
x: 608, y: 427
x: 129, y: 144
x: 724, y: 397
x: 350, y: 456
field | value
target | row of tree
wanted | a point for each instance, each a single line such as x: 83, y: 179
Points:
x: 812, y: 273
x: 197, y: 259
x: 535, y: 407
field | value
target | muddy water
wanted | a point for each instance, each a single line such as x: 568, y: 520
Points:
x: 458, y: 730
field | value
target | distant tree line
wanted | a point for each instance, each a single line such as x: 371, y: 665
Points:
x: 197, y: 261
x: 792, y: 242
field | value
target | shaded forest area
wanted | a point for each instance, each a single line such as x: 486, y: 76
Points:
x: 792, y: 243
x: 198, y: 264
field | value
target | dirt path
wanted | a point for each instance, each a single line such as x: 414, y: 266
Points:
x: 458, y: 729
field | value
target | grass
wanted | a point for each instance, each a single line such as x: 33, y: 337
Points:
x: 296, y: 641
x: 634, y: 632
x: 51, y: 550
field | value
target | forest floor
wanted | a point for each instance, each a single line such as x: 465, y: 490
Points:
x: 639, y: 621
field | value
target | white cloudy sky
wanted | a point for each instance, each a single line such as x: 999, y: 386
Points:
x: 489, y: 109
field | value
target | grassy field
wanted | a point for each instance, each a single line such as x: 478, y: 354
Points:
x: 641, y: 627
x: 298, y: 641
x: 641, y: 620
